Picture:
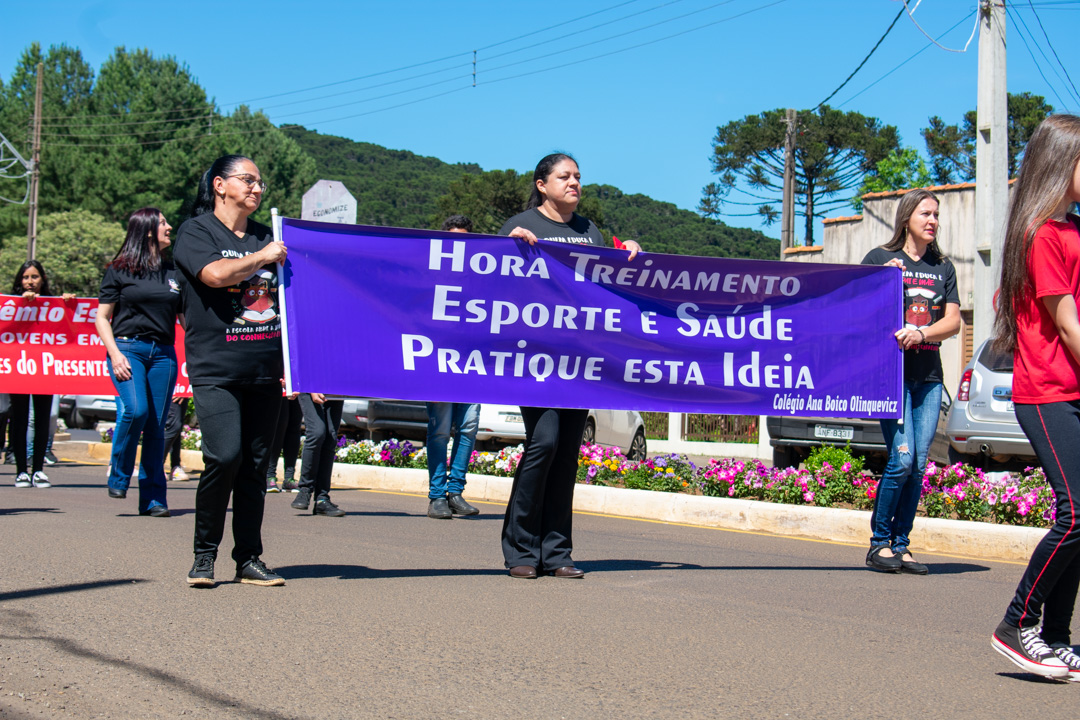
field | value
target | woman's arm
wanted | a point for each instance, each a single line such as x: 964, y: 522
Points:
x: 1062, y: 309
x: 103, y: 323
x: 944, y: 328
x: 227, y: 272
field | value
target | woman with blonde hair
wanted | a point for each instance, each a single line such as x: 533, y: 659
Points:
x: 1037, y: 320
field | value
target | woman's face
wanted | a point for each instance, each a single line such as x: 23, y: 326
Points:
x: 164, y: 233
x: 242, y: 188
x: 562, y: 186
x: 31, y: 280
x: 923, y: 224
x: 1073, y: 193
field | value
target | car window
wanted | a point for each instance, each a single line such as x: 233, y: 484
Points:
x: 996, y: 361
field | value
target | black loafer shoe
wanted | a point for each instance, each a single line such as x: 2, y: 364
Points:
x: 523, y: 572
x: 459, y: 507
x: 568, y: 572
x: 911, y: 567
x: 118, y: 494
x: 882, y: 564
x: 439, y: 509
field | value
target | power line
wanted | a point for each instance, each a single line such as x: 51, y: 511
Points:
x: 1012, y: 13
x: 911, y: 14
x: 1051, y: 46
x: 872, y: 50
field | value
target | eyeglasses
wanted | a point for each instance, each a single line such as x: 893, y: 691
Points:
x: 249, y: 180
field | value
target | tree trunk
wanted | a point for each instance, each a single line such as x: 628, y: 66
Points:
x: 809, y: 239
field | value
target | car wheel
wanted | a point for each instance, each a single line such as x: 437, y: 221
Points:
x: 955, y: 456
x: 79, y: 421
x: 638, y: 447
x: 589, y: 436
x: 782, y: 457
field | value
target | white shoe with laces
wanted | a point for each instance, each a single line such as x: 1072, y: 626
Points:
x: 1068, y: 656
x: 1026, y: 648
x: 22, y: 480
x: 41, y: 480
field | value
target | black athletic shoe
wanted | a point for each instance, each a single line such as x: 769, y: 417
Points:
x: 1025, y: 647
x: 460, y: 507
x: 303, y: 499
x: 202, y: 572
x: 327, y: 508
x: 255, y: 572
x: 50, y: 459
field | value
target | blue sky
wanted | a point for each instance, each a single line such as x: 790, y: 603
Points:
x: 637, y: 110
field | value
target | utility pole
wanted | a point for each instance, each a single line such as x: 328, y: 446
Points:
x: 35, y: 168
x: 787, y: 218
x: 991, y: 165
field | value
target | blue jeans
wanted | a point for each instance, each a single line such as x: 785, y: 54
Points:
x: 907, y: 443
x: 441, y: 416
x: 142, y: 407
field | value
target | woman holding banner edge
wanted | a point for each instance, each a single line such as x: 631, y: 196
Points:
x: 537, y: 528
x: 931, y: 314
x: 136, y: 320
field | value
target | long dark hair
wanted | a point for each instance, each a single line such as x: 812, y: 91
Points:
x: 904, y: 210
x: 1050, y: 159
x: 224, y: 165
x: 17, y: 286
x: 140, y: 254
x: 542, y: 172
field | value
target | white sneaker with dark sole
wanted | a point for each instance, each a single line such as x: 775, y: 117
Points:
x: 1026, y: 648
x: 22, y: 480
x: 1068, y: 656
x: 41, y: 480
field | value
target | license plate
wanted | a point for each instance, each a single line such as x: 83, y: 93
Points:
x: 834, y: 432
x: 512, y: 418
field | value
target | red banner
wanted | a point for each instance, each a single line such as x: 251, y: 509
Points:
x: 49, y: 346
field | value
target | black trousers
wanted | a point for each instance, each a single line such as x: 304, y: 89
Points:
x: 174, y: 426
x: 287, y: 436
x: 238, y: 424
x: 537, y: 529
x: 320, y: 444
x: 20, y: 418
x: 1049, y: 585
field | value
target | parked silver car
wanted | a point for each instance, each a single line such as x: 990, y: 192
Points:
x: 981, y: 426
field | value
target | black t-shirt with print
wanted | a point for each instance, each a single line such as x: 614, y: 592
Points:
x: 232, y: 334
x: 580, y: 231
x: 929, y: 284
x: 144, y: 307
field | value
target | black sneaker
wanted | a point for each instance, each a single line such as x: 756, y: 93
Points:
x: 327, y: 508
x: 459, y: 507
x: 202, y: 572
x: 255, y: 572
x: 303, y: 499
x: 50, y: 459
x: 1025, y: 647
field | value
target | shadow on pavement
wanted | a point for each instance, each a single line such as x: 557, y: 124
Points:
x: 24, y: 510
x: 955, y: 568
x: 59, y: 589
x: 1032, y: 678
x: 361, y: 572
x: 641, y: 565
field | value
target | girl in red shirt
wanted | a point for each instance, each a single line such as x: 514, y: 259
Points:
x: 1037, y: 320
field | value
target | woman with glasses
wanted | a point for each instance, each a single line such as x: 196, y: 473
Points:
x: 536, y: 536
x: 136, y: 320
x: 228, y: 280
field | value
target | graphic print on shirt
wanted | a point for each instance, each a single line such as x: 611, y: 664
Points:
x: 256, y: 302
x: 918, y: 304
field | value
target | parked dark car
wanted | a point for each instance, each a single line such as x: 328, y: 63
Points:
x: 792, y: 438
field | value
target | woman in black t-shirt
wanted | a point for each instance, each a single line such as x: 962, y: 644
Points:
x: 931, y: 314
x: 536, y: 535
x: 227, y: 267
x: 31, y: 283
x: 136, y: 320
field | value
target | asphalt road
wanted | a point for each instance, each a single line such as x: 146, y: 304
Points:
x: 389, y: 614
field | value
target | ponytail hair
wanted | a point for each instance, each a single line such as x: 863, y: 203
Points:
x: 542, y: 172
x: 223, y: 166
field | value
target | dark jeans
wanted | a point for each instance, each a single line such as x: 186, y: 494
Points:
x: 142, y: 404
x: 238, y: 423
x: 320, y: 444
x: 287, y: 436
x: 20, y: 417
x: 1048, y: 586
x: 174, y: 427
x: 537, y: 528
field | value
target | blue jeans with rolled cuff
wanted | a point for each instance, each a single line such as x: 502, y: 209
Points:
x: 142, y: 407
x: 907, y: 443
x: 442, y: 416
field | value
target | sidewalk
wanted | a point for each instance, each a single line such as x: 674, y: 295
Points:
x: 954, y: 537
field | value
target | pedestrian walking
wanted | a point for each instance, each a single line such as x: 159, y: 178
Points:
x: 1037, y: 321
x: 931, y: 314
x: 228, y: 278
x: 537, y: 528
x: 136, y: 320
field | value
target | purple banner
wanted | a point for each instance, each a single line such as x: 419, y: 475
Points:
x: 427, y: 315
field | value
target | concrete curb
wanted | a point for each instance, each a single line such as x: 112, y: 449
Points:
x: 953, y: 537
